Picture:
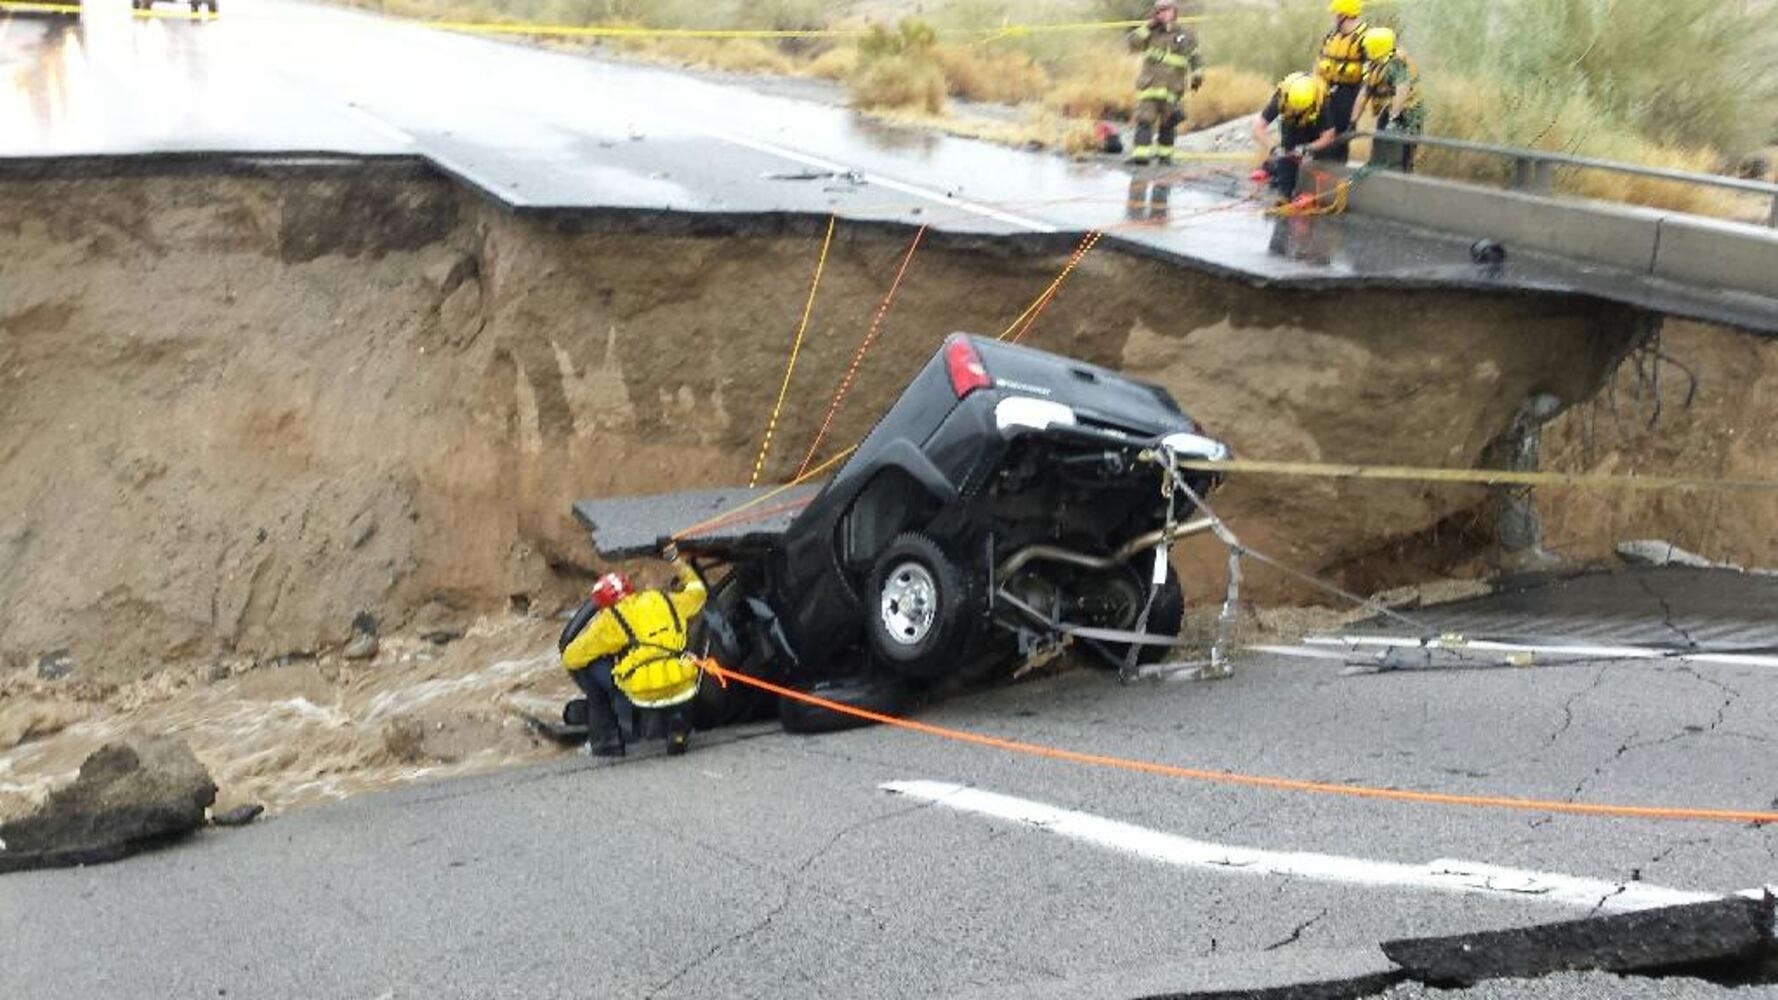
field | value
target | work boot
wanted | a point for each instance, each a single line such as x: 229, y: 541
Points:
x: 604, y: 738
x: 678, y: 733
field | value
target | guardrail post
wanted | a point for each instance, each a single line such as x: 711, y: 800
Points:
x: 1772, y: 220
x: 1543, y: 178
x: 1522, y: 174
x: 1533, y: 175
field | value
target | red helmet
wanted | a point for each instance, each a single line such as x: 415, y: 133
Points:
x: 612, y: 588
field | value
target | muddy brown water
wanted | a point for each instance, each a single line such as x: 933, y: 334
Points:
x: 241, y: 409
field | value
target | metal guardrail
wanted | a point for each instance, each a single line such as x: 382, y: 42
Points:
x: 1534, y: 170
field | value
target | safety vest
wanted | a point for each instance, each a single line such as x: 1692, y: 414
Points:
x: 655, y: 672
x: 1380, y: 83
x: 1342, y: 57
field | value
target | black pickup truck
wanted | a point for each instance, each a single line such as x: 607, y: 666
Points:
x: 1005, y: 503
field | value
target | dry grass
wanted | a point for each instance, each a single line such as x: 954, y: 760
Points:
x: 1228, y: 93
x: 835, y: 64
x: 1484, y: 112
x: 735, y: 55
x: 1099, y: 83
x: 910, y: 80
x: 992, y: 74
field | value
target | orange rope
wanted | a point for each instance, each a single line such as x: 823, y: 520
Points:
x: 864, y: 347
x: 728, y: 516
x: 1252, y: 781
x: 796, y: 347
x: 1049, y: 294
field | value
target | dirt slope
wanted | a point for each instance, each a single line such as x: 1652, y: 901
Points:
x: 241, y: 409
x: 1703, y: 402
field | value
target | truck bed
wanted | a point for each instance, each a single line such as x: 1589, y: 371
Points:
x: 634, y: 527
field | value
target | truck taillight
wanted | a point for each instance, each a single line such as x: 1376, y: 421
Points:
x: 966, y: 369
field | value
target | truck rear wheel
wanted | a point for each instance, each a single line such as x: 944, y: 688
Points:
x: 1166, y: 617
x: 918, y: 608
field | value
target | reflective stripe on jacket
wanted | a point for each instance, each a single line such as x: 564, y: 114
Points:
x: 1169, y: 61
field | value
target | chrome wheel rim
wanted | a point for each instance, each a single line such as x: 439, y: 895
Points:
x: 909, y: 604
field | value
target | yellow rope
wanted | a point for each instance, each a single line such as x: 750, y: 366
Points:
x: 1479, y: 477
x: 796, y: 347
x: 730, y: 515
x: 1086, y: 243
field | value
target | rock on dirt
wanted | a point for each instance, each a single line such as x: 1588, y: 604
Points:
x: 55, y: 666
x: 362, y: 647
x: 130, y: 795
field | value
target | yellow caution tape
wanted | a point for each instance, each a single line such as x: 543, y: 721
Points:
x: 10, y: 7
x: 641, y: 31
x: 1480, y: 477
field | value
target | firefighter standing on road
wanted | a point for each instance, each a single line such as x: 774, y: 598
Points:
x: 1393, y: 86
x: 628, y: 646
x: 1170, y: 66
x: 1341, y: 62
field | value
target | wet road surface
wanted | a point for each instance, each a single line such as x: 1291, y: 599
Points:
x: 772, y: 865
x: 765, y: 864
x: 544, y: 130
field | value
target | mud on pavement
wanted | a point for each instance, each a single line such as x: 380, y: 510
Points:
x: 247, y: 402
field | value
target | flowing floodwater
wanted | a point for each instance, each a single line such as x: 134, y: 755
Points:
x: 310, y: 731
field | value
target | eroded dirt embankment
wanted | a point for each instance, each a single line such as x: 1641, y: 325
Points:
x: 241, y: 409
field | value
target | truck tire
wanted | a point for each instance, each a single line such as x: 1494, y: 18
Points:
x: 882, y: 695
x: 1166, y: 616
x: 918, y: 609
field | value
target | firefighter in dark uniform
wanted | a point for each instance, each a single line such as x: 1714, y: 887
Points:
x: 1170, y: 66
x: 1300, y: 107
x: 1341, y: 62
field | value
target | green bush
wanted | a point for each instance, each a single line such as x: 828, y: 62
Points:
x: 1688, y: 72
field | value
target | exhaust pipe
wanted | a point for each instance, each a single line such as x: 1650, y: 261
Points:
x: 1131, y: 549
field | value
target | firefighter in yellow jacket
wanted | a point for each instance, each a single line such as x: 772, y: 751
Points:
x: 1342, y: 63
x: 1170, y: 66
x: 628, y: 646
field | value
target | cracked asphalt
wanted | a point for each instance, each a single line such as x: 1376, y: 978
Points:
x: 765, y: 864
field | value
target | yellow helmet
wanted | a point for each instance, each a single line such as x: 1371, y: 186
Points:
x: 1302, y: 94
x: 1379, y: 44
x: 1347, y: 8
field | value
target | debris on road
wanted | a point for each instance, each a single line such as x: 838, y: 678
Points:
x: 1654, y: 552
x: 238, y: 816
x: 1730, y: 935
x: 130, y: 795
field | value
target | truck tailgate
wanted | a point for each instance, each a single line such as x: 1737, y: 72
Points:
x: 632, y: 527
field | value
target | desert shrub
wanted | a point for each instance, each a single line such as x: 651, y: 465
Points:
x: 1483, y: 111
x: 897, y: 69
x: 1228, y: 93
x: 1691, y: 73
x: 1099, y: 83
x: 837, y: 63
x: 1273, y: 40
x: 981, y: 72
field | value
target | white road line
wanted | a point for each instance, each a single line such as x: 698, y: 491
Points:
x: 1355, y: 642
x: 939, y: 197
x: 1444, y: 875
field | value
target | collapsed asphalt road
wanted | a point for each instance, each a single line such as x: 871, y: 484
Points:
x: 772, y: 865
